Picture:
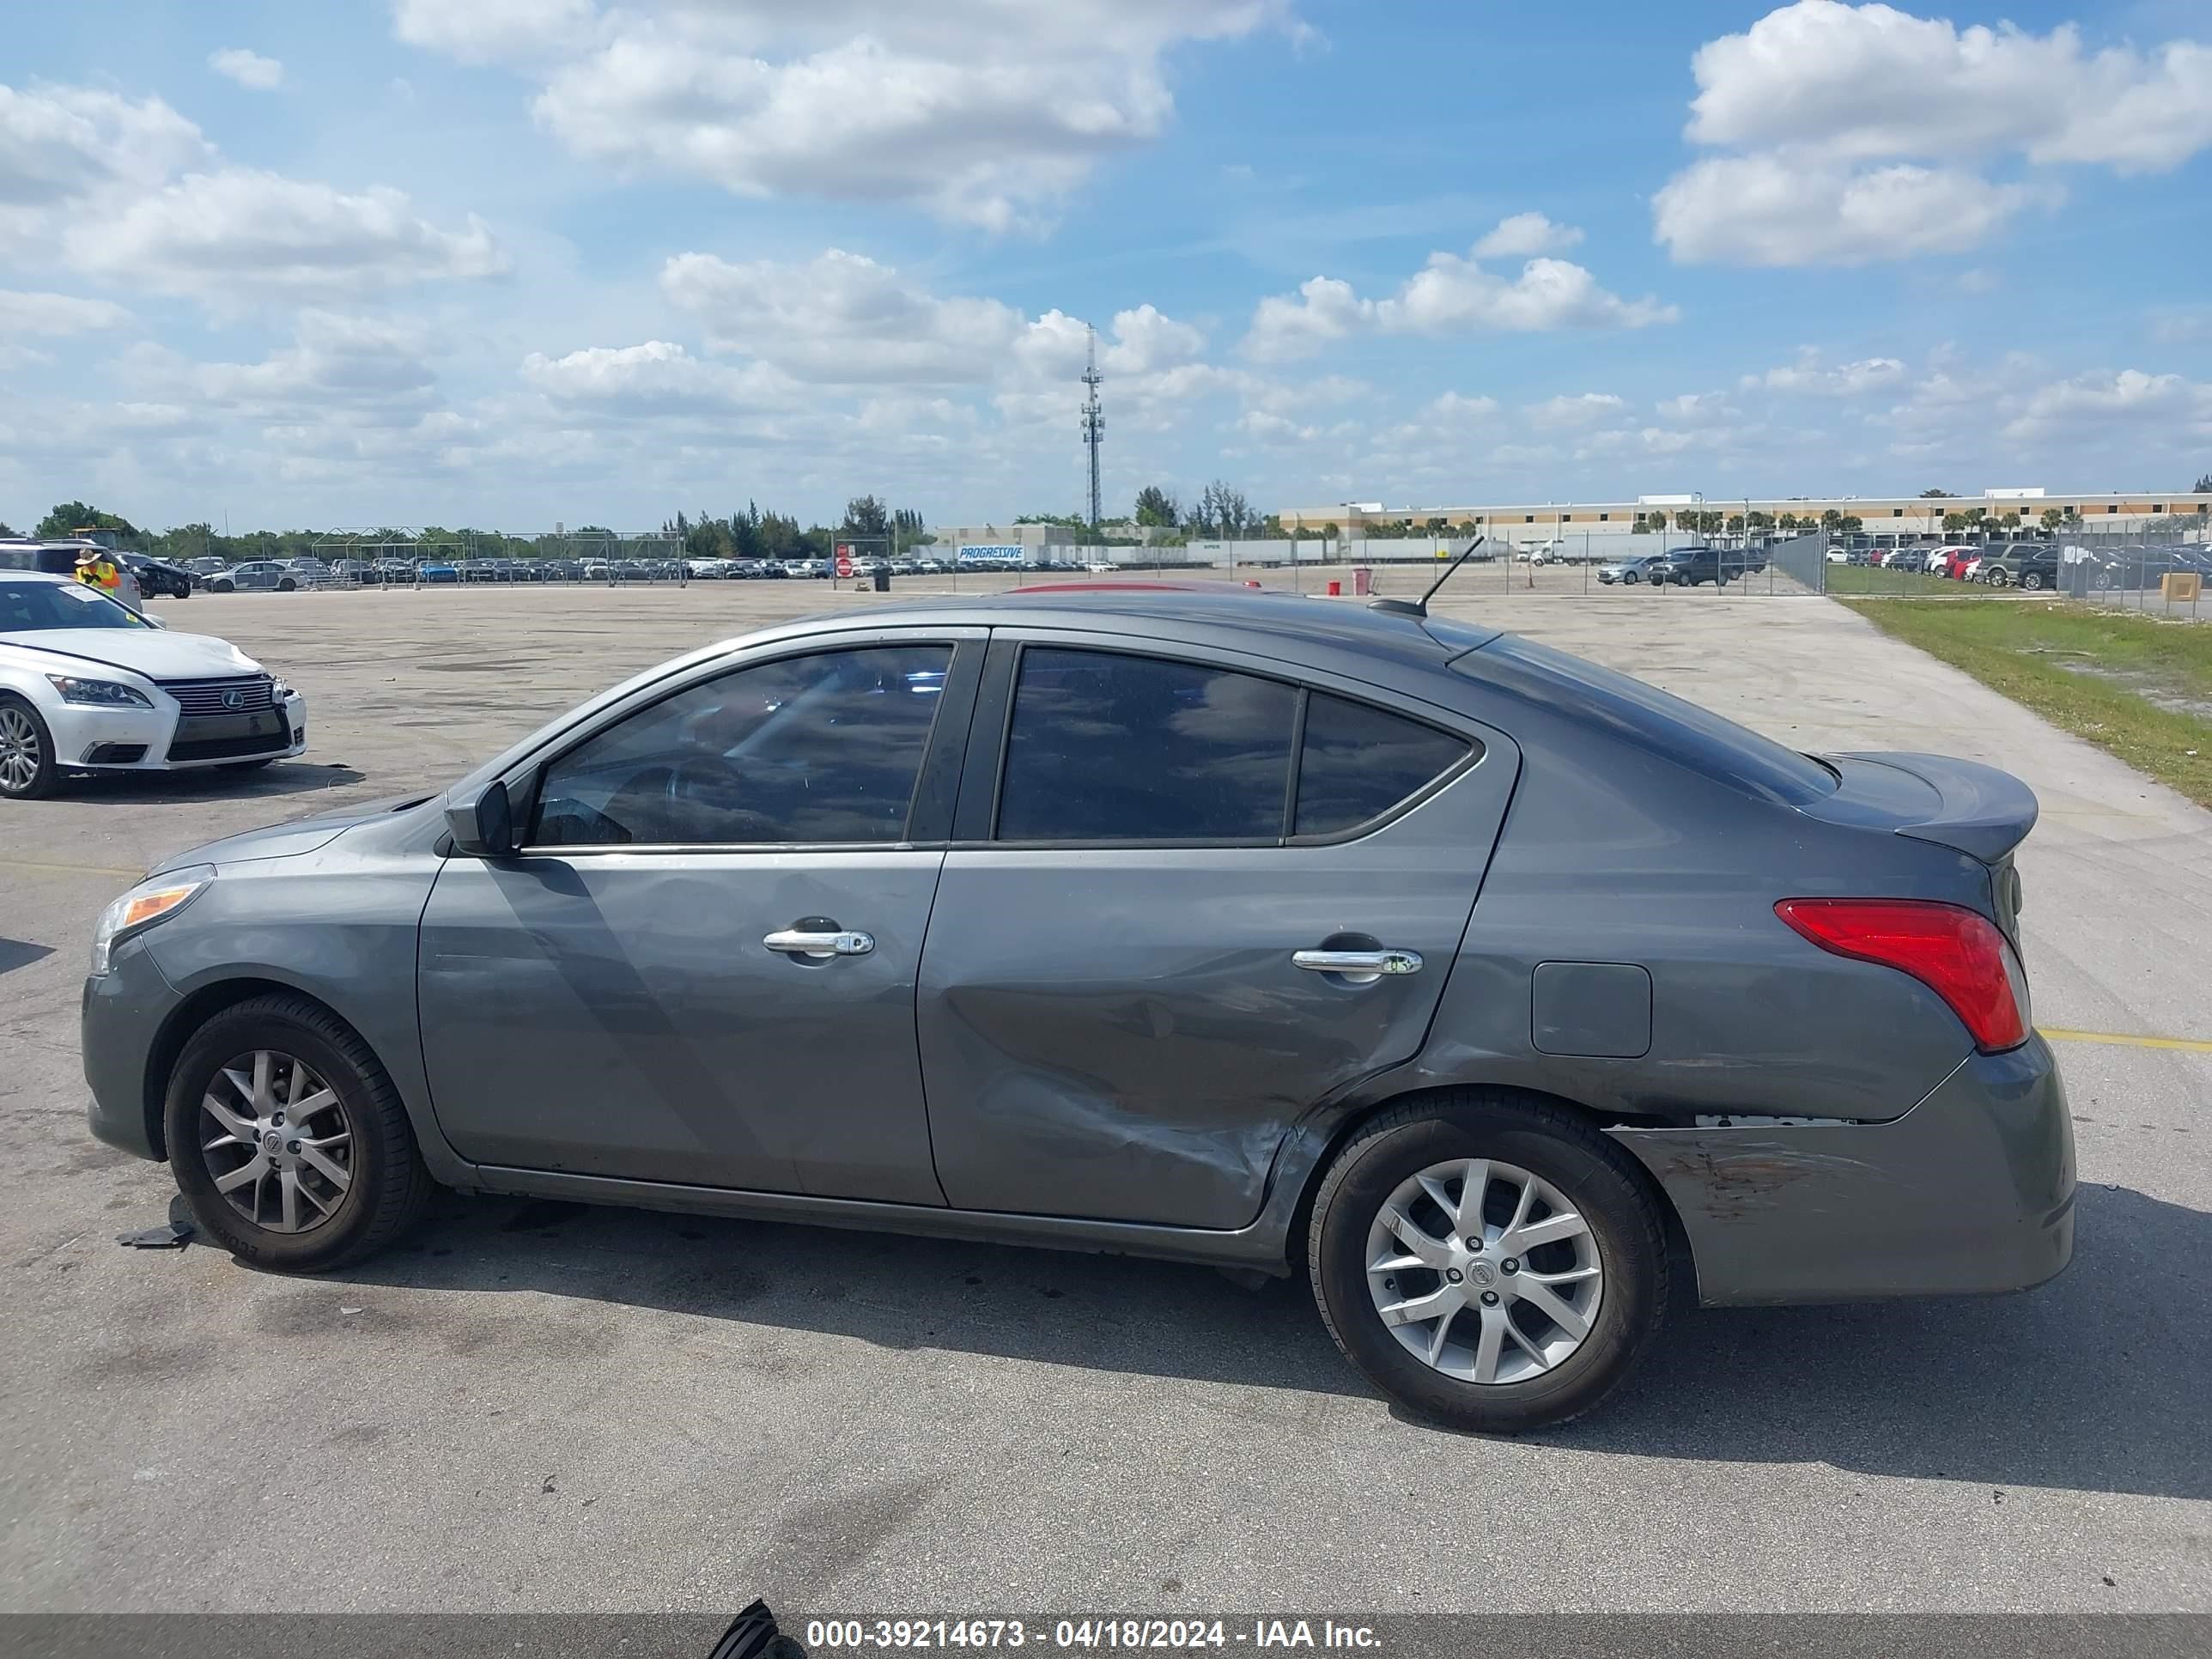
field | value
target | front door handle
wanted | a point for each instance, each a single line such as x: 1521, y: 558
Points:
x: 793, y: 942
x: 1358, y: 962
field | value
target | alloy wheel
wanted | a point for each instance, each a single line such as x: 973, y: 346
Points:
x: 1484, y: 1270
x: 21, y: 752
x: 281, y: 1151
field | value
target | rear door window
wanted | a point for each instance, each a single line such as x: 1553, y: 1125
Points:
x: 1110, y: 746
x: 1358, y: 762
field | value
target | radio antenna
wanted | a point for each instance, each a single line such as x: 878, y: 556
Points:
x: 1420, y: 607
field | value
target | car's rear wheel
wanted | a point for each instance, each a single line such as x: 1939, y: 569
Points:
x: 289, y: 1140
x: 285, y: 586
x: 1488, y: 1261
x: 27, y: 753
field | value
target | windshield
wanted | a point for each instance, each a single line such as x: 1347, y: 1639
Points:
x: 28, y: 607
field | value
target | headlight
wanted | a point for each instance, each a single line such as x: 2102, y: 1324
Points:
x: 105, y: 694
x: 142, y: 907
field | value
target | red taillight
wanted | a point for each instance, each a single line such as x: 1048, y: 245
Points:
x: 1956, y: 952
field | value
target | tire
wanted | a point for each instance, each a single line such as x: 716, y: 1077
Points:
x: 287, y: 586
x: 2030, y: 581
x: 28, y: 771
x: 1521, y: 1140
x: 222, y: 587
x: 1630, y: 578
x: 386, y: 1182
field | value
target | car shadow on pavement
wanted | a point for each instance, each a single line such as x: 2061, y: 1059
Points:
x: 296, y: 777
x: 2094, y: 1382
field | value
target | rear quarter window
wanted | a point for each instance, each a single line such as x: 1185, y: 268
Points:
x: 1651, y: 719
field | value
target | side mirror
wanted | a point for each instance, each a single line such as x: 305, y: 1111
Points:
x: 481, y: 822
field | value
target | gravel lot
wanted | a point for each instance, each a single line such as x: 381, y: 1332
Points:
x: 549, y: 1408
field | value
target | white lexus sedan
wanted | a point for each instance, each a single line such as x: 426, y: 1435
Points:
x: 87, y: 684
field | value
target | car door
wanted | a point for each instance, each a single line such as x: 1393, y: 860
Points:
x: 1191, y: 895
x: 700, y: 966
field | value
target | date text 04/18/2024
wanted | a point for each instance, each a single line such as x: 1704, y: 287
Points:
x: 1124, y: 1635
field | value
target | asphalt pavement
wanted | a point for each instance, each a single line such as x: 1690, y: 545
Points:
x: 549, y: 1408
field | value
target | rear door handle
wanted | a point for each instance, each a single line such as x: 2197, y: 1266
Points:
x: 793, y: 942
x: 1376, y: 962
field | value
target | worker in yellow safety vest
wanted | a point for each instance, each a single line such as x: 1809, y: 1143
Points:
x: 95, y: 568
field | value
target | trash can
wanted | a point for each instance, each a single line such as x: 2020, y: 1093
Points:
x: 1363, y: 580
x: 882, y: 580
x: 1335, y: 588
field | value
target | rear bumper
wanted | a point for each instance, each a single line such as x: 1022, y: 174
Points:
x: 1970, y: 1192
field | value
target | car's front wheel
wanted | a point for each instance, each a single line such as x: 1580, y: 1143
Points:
x: 2031, y: 579
x: 27, y: 751
x: 1490, y: 1262
x: 288, y: 1140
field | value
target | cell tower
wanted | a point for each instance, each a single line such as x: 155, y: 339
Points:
x: 1093, y: 418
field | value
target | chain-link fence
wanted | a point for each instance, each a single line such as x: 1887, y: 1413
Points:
x: 2162, y: 572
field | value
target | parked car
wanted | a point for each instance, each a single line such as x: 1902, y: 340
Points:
x: 1688, y: 567
x: 1955, y: 561
x: 1486, y: 1131
x: 58, y: 558
x: 158, y: 576
x: 2028, y: 565
x: 206, y: 565
x: 438, y: 572
x: 256, y: 576
x: 1629, y: 571
x: 89, y: 684
x: 363, y: 573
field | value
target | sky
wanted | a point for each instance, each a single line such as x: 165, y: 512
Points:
x: 514, y: 263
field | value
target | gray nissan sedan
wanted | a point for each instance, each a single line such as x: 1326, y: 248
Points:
x: 1494, y: 991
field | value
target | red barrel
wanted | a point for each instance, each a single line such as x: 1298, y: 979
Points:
x: 1335, y: 588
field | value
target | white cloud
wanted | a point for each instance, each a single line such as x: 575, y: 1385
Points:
x: 1864, y: 131
x: 56, y: 313
x: 842, y: 319
x: 249, y: 69
x: 1526, y: 234
x: 496, y: 31
x: 131, y: 191
x: 1781, y: 209
x: 1449, y: 295
x: 656, y: 378
x: 64, y: 144
x: 1584, y: 409
x: 339, y: 370
x: 982, y: 111
x: 2096, y: 401
x: 216, y: 235
x: 1810, y: 375
x: 1697, y: 408
x: 1871, y: 82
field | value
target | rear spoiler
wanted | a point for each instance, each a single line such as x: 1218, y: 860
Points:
x: 1981, y: 811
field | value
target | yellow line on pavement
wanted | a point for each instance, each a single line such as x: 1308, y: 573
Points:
x: 2190, y: 1045
x: 69, y: 869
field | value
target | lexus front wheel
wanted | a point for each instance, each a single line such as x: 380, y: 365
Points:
x: 1492, y: 1263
